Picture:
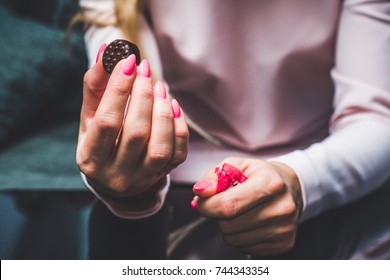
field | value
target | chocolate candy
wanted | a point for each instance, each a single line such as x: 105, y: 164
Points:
x: 118, y: 50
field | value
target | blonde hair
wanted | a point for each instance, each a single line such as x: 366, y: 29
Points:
x: 124, y: 17
x: 126, y: 13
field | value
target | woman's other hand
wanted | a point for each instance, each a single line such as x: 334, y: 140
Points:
x: 259, y: 216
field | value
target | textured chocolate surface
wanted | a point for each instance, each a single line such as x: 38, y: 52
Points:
x: 118, y: 50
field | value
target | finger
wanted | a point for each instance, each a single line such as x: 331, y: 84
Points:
x: 161, y: 141
x: 193, y: 202
x: 205, y: 189
x: 241, y: 198
x: 94, y: 85
x: 207, y: 186
x: 277, y: 210
x: 266, y: 233
x: 104, y: 129
x: 269, y: 248
x: 138, y: 121
x: 181, y: 138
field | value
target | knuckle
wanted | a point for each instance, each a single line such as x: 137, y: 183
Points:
x: 85, y: 164
x: 287, y: 209
x: 179, y: 157
x: 88, y: 79
x: 89, y: 82
x: 117, y: 184
x: 229, y: 207
x: 87, y: 167
x: 274, y: 182
x: 144, y: 91
x: 120, y: 89
x: 290, y: 209
x: 165, y: 116
x: 161, y: 154
x: 183, y: 135
x: 271, y: 184
x: 107, y: 124
x: 278, y: 183
x: 288, y: 231
x: 137, y: 135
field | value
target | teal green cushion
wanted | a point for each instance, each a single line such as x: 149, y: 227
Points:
x: 40, y: 95
x: 39, y: 83
x: 42, y: 161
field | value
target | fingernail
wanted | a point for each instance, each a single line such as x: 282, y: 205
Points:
x: 176, y: 109
x: 202, y: 185
x: 159, y: 91
x: 144, y: 69
x: 101, y: 49
x: 193, y: 204
x: 128, y: 65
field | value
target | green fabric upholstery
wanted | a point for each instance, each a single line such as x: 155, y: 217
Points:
x: 42, y: 161
x: 40, y: 95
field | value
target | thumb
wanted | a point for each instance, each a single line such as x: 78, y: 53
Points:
x: 205, y: 188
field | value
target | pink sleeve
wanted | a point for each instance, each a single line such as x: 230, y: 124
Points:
x: 355, y: 158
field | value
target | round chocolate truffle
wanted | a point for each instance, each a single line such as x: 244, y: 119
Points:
x: 118, y: 50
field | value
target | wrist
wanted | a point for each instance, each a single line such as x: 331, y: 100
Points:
x: 131, y: 192
x: 137, y: 208
x: 136, y: 203
x: 148, y: 195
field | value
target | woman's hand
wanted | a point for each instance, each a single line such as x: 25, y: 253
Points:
x: 258, y: 216
x: 131, y: 135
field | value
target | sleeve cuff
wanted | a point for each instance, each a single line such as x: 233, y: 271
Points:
x: 132, y: 210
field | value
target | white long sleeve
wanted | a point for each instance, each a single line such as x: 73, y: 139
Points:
x: 355, y: 158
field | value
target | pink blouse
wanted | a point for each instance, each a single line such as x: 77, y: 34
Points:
x: 303, y: 82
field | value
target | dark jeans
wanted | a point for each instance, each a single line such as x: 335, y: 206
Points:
x: 116, y: 238
x: 341, y: 233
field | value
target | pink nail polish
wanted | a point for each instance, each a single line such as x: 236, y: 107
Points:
x: 101, y: 49
x: 159, y: 90
x: 202, y: 185
x: 176, y: 109
x: 128, y: 65
x: 144, y: 69
x: 193, y: 204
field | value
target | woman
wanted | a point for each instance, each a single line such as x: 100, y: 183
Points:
x: 295, y: 94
